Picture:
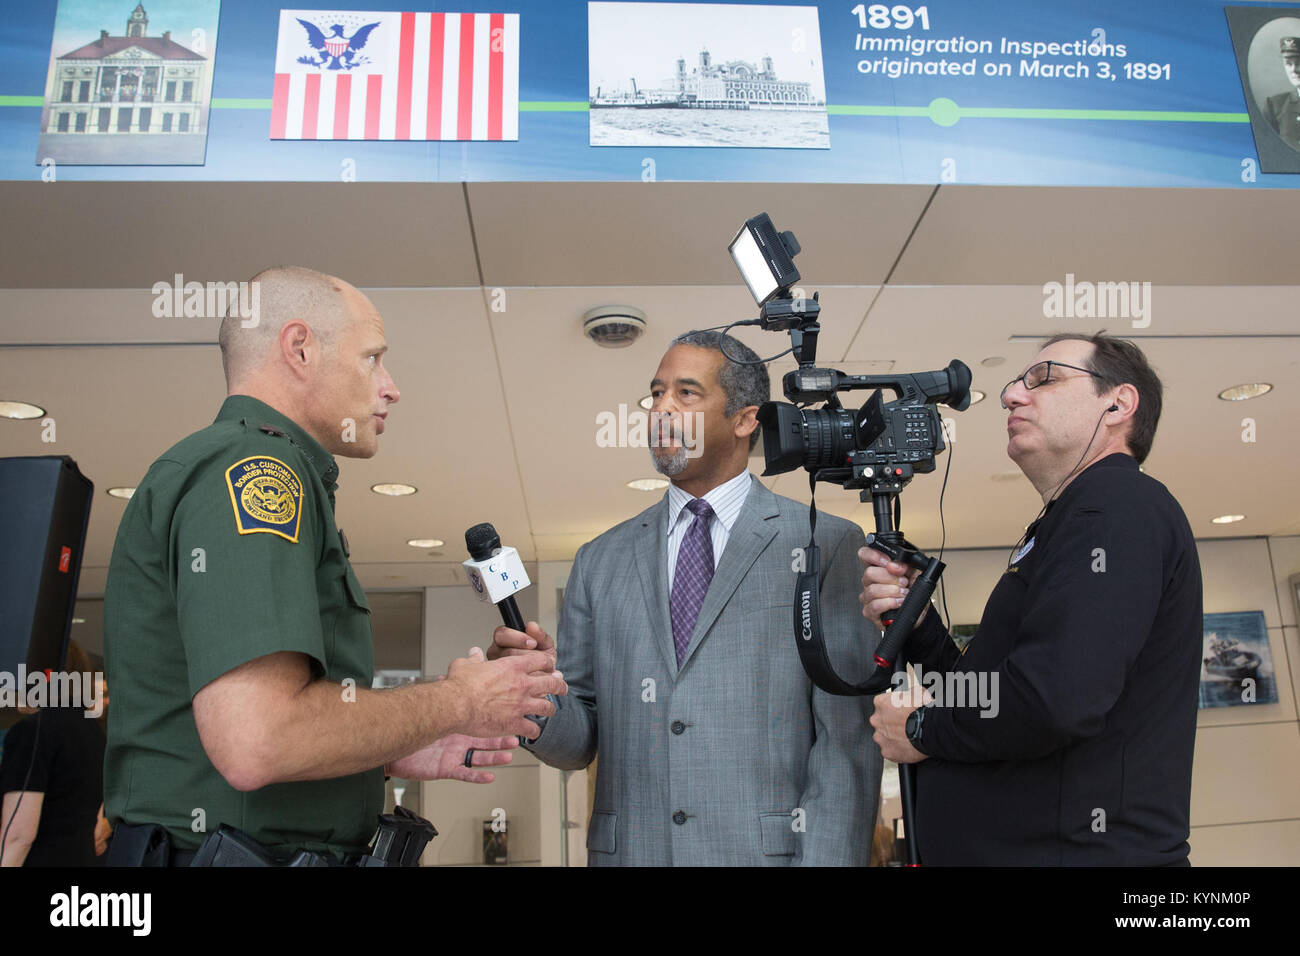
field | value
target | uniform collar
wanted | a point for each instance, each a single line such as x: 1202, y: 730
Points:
x: 254, y: 414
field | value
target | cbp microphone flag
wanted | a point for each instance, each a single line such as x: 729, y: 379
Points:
x: 413, y: 76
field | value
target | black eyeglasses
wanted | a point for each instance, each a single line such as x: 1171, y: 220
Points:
x: 1039, y: 374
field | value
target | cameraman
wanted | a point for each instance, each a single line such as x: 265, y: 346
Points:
x: 1091, y: 642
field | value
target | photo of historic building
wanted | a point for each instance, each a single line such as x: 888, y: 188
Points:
x: 735, y: 85
x: 139, y: 97
x: 756, y: 79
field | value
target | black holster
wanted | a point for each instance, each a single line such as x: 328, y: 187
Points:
x: 146, y: 844
x: 230, y: 846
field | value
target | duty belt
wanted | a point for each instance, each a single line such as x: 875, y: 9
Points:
x: 399, y: 840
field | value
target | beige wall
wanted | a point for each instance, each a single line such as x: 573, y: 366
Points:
x: 1246, y: 778
x: 455, y: 621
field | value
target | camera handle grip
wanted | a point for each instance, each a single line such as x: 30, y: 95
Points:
x: 897, y: 631
x: 900, y: 627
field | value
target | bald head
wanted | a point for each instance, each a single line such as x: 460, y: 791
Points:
x: 284, y: 294
x: 314, y: 351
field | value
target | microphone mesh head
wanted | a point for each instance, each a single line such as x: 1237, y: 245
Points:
x: 481, y: 540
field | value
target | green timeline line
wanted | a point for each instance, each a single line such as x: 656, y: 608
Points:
x: 237, y: 103
x: 1158, y: 116
x: 942, y: 112
x: 557, y: 106
x: 945, y: 112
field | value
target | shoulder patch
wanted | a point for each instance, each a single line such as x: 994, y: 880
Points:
x: 266, y: 496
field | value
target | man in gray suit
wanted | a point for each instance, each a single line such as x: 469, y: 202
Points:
x: 715, y: 748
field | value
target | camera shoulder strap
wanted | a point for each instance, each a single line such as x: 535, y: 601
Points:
x: 808, y: 618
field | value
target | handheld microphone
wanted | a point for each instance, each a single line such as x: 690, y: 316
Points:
x: 495, y: 572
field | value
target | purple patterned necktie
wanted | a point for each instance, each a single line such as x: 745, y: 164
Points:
x: 692, y: 577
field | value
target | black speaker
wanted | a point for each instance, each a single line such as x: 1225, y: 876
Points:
x: 44, y: 511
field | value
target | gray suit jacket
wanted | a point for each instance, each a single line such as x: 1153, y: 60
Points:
x: 735, y: 759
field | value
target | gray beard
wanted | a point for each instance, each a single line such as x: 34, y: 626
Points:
x: 670, y: 463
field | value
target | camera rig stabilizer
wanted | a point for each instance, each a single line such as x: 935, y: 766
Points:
x: 876, y: 450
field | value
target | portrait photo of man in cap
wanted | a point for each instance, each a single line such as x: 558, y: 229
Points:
x: 1266, y: 42
x: 1283, y: 109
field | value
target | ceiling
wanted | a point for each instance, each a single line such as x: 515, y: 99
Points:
x: 483, y: 288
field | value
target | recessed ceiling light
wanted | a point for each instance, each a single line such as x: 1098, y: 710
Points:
x: 20, y: 410
x: 1239, y: 393
x: 993, y: 361
x: 121, y: 492
x: 648, y: 484
x: 426, y: 542
x: 647, y: 403
x: 78, y: 620
x: 393, y: 489
x: 1228, y: 519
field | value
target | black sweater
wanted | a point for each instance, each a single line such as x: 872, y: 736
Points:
x: 1089, y: 657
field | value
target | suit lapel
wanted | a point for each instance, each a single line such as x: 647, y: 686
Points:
x: 751, y: 533
x: 652, y: 568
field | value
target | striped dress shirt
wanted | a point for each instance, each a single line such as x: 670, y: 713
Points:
x: 726, y: 500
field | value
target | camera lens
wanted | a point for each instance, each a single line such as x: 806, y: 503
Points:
x: 828, y: 437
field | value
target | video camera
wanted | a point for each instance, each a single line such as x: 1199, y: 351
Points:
x: 880, y: 446
x: 876, y: 449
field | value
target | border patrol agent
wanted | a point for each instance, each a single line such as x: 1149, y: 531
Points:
x: 230, y: 544
x: 237, y: 637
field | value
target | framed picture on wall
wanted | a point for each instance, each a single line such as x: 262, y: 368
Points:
x: 705, y: 74
x: 129, y: 86
x: 1236, y: 665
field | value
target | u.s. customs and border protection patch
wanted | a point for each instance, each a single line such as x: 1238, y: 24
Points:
x: 266, y: 496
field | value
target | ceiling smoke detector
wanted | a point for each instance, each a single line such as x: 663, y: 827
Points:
x: 614, y: 326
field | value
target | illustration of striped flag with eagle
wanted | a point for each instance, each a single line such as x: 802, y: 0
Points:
x: 394, y: 76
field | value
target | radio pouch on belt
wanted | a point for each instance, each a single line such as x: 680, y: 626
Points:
x: 400, y: 839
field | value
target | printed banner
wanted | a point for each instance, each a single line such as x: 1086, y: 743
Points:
x: 1165, y: 93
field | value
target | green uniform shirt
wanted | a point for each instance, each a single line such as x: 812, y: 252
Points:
x: 228, y: 551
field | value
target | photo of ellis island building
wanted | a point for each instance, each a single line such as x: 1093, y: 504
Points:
x: 734, y: 85
x: 130, y: 99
